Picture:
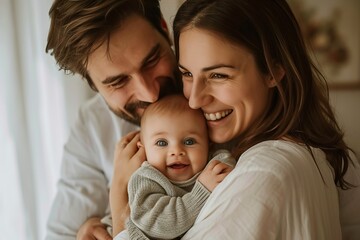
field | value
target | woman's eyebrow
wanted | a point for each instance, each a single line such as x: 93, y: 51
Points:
x: 211, y: 67
x: 217, y: 66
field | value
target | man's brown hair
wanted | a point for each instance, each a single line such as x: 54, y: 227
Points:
x: 78, y: 27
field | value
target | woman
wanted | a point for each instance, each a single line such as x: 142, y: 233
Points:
x: 245, y: 64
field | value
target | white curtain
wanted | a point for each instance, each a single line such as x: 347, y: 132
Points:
x: 38, y: 103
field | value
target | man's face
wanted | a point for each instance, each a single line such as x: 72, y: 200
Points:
x: 133, y: 69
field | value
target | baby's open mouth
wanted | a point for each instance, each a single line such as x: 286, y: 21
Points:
x: 178, y: 165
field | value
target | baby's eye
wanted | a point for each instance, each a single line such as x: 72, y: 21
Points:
x: 189, y: 141
x: 161, y: 143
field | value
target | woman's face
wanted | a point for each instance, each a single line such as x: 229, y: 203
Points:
x: 223, y: 80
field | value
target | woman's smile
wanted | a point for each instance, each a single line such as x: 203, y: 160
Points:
x: 217, y: 115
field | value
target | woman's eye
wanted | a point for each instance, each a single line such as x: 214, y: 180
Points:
x: 189, y: 141
x: 218, y: 76
x: 161, y: 143
x: 186, y: 74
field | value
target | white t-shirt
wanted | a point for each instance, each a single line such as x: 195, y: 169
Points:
x: 276, y: 191
x: 87, y: 168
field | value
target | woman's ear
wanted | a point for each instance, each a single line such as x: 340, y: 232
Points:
x: 276, y: 75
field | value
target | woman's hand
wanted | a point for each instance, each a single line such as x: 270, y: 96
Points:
x: 214, y: 173
x: 127, y: 159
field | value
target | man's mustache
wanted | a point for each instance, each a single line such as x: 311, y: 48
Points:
x: 132, y: 107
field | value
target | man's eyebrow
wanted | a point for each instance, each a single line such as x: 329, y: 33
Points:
x: 211, y: 67
x: 112, y: 79
x: 152, y: 52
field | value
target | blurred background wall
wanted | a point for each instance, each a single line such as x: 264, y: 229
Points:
x: 332, y: 29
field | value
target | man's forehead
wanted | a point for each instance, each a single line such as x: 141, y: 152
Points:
x: 134, y: 33
x: 126, y: 50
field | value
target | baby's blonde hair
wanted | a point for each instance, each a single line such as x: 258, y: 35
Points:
x: 175, y: 104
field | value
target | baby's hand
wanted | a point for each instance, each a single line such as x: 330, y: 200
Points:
x: 213, y: 174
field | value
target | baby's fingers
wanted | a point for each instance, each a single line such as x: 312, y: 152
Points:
x: 221, y: 167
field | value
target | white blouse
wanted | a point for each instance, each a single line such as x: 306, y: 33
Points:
x: 278, y: 191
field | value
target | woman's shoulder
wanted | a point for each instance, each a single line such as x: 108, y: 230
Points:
x: 281, y: 157
x: 287, y: 164
x: 277, y: 149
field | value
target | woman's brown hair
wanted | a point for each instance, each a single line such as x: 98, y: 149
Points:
x: 299, y: 109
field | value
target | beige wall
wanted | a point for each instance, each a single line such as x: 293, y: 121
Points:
x: 346, y: 105
x: 169, y: 8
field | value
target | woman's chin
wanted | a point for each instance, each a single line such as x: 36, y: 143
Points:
x: 219, y: 137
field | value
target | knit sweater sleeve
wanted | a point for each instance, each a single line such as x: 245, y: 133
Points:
x: 160, y: 209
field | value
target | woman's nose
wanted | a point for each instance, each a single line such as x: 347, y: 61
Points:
x: 198, y: 94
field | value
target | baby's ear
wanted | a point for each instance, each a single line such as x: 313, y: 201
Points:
x: 139, y: 144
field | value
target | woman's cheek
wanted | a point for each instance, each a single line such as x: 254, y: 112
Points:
x: 187, y: 88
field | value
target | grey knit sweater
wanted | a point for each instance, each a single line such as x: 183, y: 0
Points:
x: 161, y: 209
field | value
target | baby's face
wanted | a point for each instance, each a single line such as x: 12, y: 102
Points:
x: 176, y: 144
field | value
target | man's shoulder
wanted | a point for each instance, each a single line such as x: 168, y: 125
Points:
x: 94, y: 105
x: 96, y: 110
x: 95, y: 116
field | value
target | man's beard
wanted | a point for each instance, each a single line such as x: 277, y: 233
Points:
x: 132, y: 114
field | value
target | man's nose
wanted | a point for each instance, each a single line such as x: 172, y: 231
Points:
x: 146, y: 89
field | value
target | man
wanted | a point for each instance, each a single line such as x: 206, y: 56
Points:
x: 122, y: 49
